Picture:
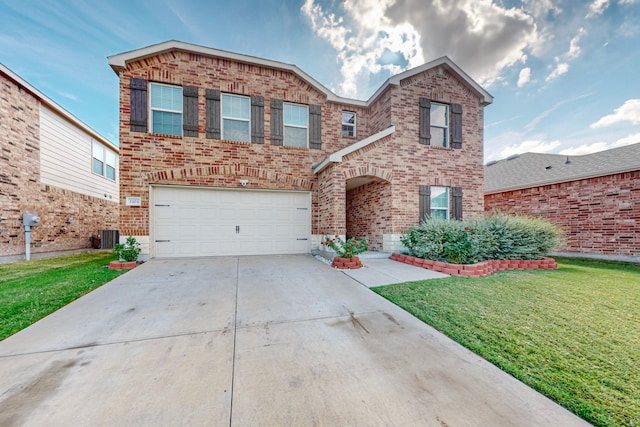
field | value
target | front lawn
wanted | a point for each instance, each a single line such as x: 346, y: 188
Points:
x: 31, y: 290
x: 573, y: 333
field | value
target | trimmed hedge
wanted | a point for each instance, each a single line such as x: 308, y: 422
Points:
x: 496, y: 236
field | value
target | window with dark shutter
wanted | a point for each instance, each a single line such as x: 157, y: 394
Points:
x: 190, y: 111
x: 425, y: 121
x: 456, y: 126
x: 315, y: 127
x: 277, y: 126
x: 138, y: 99
x: 212, y: 106
x: 456, y: 203
x: 257, y: 119
x: 425, y: 202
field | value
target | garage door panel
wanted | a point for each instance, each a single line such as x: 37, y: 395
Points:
x: 207, y: 222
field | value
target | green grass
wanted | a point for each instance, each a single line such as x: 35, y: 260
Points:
x: 31, y: 290
x: 573, y: 334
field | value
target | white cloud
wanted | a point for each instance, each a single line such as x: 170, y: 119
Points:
x: 529, y: 146
x: 561, y: 68
x: 483, y: 37
x: 601, y: 146
x: 574, y: 48
x: 524, y: 77
x: 633, y: 138
x: 597, y: 8
x: 362, y: 38
x: 627, y: 112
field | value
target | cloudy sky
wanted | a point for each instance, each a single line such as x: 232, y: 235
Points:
x: 564, y: 74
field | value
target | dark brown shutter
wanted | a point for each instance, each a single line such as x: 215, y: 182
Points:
x: 257, y: 119
x: 277, y: 126
x: 456, y: 126
x: 456, y: 203
x: 425, y: 202
x: 138, y: 99
x: 212, y: 100
x: 190, y: 111
x: 425, y: 121
x: 315, y: 127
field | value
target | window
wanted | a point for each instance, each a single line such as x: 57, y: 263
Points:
x: 166, y: 109
x: 111, y: 165
x: 348, y: 123
x: 439, y: 125
x: 236, y: 115
x: 98, y: 158
x: 439, y: 202
x: 103, y: 161
x: 296, y: 119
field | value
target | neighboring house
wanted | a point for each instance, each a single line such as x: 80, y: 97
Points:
x: 228, y: 154
x: 52, y: 165
x: 595, y: 198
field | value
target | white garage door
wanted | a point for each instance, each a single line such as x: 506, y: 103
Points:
x: 191, y: 222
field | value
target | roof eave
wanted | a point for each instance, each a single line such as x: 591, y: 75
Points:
x: 44, y: 99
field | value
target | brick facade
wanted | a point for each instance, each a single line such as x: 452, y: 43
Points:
x: 395, y: 166
x: 601, y: 216
x: 22, y: 191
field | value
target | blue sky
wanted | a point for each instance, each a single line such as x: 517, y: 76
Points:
x: 564, y: 74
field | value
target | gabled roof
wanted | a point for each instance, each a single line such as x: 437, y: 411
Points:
x: 119, y: 62
x: 56, y: 107
x: 534, y: 169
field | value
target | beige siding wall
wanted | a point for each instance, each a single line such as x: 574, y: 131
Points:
x: 65, y: 158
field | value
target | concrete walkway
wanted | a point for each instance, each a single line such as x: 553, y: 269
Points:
x: 243, y: 341
x: 383, y: 271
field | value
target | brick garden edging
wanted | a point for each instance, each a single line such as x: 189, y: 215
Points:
x: 481, y: 269
x: 122, y: 265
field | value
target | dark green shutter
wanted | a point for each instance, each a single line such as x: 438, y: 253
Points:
x: 212, y: 100
x: 456, y: 203
x: 425, y: 202
x: 425, y: 121
x: 277, y: 126
x: 190, y: 111
x: 315, y: 127
x: 456, y: 126
x: 138, y: 99
x: 257, y: 119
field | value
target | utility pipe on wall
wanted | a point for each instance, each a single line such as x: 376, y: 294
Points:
x: 29, y: 220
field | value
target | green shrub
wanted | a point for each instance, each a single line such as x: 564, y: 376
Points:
x: 496, y: 236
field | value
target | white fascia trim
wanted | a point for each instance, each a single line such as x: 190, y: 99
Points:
x: 57, y: 108
x: 485, y: 97
x: 338, y: 155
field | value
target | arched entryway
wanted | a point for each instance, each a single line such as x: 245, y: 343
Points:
x: 368, y: 209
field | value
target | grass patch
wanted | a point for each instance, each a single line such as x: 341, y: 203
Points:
x: 573, y: 334
x: 31, y: 290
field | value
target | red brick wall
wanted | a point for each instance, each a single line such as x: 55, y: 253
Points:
x: 160, y: 159
x: 21, y: 191
x: 369, y: 213
x: 601, y: 216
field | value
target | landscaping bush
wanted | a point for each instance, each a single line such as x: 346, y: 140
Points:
x: 496, y: 236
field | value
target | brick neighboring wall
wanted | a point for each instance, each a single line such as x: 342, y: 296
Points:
x: 601, y: 216
x: 400, y: 160
x: 21, y: 191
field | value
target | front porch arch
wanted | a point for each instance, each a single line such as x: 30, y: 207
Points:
x: 368, y: 209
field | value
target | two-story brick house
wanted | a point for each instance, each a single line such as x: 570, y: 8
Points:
x: 228, y: 154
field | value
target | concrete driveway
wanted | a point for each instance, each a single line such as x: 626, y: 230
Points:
x: 241, y: 341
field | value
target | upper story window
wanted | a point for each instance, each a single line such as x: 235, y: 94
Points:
x: 439, y: 124
x: 296, y: 124
x: 348, y: 123
x: 166, y: 109
x: 103, y: 161
x: 236, y: 116
x: 439, y: 202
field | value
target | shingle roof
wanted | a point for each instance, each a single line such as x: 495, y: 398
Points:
x: 534, y: 169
